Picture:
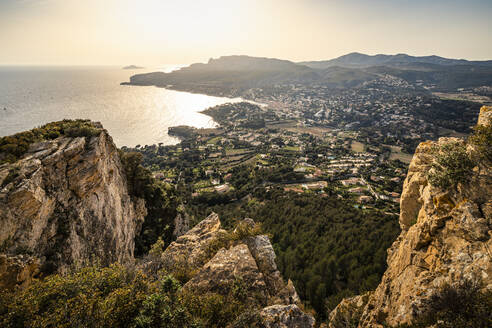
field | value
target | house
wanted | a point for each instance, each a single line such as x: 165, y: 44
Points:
x: 357, y: 190
x: 316, y: 185
x: 222, y: 188
x: 375, y: 178
x: 351, y: 181
x: 365, y: 199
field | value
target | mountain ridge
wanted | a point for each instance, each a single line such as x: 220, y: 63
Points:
x: 360, y: 60
x: 233, y: 76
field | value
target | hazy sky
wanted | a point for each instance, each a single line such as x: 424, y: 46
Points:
x: 153, y: 32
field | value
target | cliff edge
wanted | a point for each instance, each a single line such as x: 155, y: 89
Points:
x: 64, y: 202
x: 445, y: 219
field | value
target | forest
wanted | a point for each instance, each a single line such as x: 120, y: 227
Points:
x: 329, y: 248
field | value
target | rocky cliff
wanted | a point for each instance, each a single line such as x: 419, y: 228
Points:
x: 222, y: 262
x: 445, y: 239
x: 65, y: 202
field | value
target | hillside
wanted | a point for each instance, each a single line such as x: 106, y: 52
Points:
x: 234, y: 76
x: 73, y: 205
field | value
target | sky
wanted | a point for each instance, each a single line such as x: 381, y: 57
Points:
x: 156, y: 32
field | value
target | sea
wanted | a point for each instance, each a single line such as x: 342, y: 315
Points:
x: 133, y: 115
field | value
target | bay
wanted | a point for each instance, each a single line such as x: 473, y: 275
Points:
x: 33, y: 96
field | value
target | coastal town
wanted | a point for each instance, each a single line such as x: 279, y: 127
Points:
x: 353, y: 142
x: 253, y: 142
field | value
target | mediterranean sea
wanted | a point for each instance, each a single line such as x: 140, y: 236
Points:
x: 33, y: 96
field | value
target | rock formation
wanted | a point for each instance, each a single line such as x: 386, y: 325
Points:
x: 247, y: 263
x: 181, y: 222
x: 65, y: 202
x: 445, y: 238
x: 285, y: 316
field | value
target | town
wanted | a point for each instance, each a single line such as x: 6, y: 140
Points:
x: 253, y: 142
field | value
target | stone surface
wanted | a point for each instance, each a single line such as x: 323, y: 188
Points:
x: 229, y: 268
x: 193, y: 248
x: 445, y: 238
x: 286, y: 316
x: 69, y: 204
x: 17, y: 270
x: 348, y: 312
x: 246, y: 267
x: 262, y: 251
x: 181, y: 222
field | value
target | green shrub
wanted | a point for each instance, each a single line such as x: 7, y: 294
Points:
x: 452, y: 165
x: 118, y: 296
x: 14, y: 146
x: 160, y: 201
x: 460, y: 306
x: 481, y: 138
x: 91, y: 297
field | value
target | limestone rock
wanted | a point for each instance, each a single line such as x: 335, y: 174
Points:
x: 445, y: 238
x: 264, y: 255
x: 193, y: 248
x: 485, y: 117
x: 348, y: 312
x: 17, y: 270
x: 68, y: 204
x: 229, y: 268
x: 181, y: 222
x: 246, y: 267
x: 286, y: 316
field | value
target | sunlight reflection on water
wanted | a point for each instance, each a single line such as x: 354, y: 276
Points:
x: 132, y: 115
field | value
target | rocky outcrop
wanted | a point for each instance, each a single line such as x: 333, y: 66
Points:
x: 17, y: 270
x: 66, y: 202
x: 286, y: 316
x: 445, y: 238
x: 193, y: 249
x: 348, y: 312
x: 231, y: 268
x: 220, y: 263
x: 181, y: 222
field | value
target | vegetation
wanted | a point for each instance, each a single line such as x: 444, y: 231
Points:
x: 460, y: 306
x: 326, y: 246
x: 452, y: 165
x: 160, y: 201
x: 482, y: 140
x: 119, y: 296
x: 13, y: 147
